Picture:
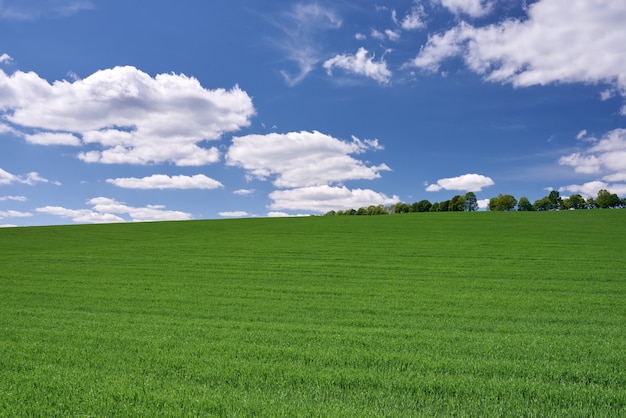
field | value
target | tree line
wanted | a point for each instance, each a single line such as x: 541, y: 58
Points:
x: 502, y: 202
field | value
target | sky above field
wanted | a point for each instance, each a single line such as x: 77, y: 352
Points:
x: 115, y: 111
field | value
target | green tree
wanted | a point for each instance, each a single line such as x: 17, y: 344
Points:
x: 435, y: 207
x: 471, y: 203
x: 401, y: 207
x: 421, y: 206
x: 575, y: 201
x: 591, y: 203
x: 606, y: 199
x: 542, y: 204
x: 503, y: 202
x: 524, y: 204
x: 555, y: 200
x: 456, y: 204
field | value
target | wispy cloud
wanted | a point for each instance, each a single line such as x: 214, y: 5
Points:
x: 37, y: 9
x: 30, y: 179
x: 301, y: 26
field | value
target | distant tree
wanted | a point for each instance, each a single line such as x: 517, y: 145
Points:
x: 524, y: 204
x: 456, y: 204
x: 421, y: 206
x: 435, y: 207
x: 622, y: 202
x: 542, y: 204
x: 444, y: 206
x: 607, y: 200
x: 361, y: 211
x: 575, y: 201
x: 376, y: 210
x: 503, y: 202
x: 471, y: 203
x: 401, y: 207
x: 555, y: 200
x: 330, y: 213
x: 591, y: 203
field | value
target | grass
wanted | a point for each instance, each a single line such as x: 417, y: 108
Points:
x: 442, y: 314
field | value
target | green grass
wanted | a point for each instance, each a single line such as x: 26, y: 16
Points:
x: 444, y: 314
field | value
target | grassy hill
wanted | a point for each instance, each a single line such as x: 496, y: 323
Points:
x: 469, y: 314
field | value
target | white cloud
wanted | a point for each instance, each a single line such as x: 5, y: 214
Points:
x: 473, y: 8
x: 128, y: 116
x: 560, y: 41
x: 414, y: 19
x: 301, y: 25
x: 582, y: 134
x: 482, y: 203
x: 32, y: 9
x: 590, y: 189
x: 392, y: 35
x: 299, y: 159
x: 360, y: 64
x: 106, y: 210
x: 608, y: 155
x: 14, y: 198
x: 277, y: 215
x: 13, y: 214
x: 53, y: 138
x: 605, y: 157
x: 244, y: 192
x: 360, y: 37
x: 30, y: 178
x: 5, y: 58
x: 234, y: 214
x: 466, y: 182
x: 325, y: 198
x: 162, y: 181
x: 438, y: 48
x: 376, y: 34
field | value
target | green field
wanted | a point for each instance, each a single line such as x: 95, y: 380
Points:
x: 445, y: 314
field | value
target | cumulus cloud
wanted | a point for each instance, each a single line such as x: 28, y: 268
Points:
x: 31, y: 178
x: 466, y: 182
x: 106, y: 210
x: 163, y: 181
x: 560, y: 41
x: 301, y: 26
x: 325, y: 198
x: 591, y: 188
x: 472, y: 8
x: 605, y: 157
x: 360, y: 64
x: 124, y: 116
x: 414, y: 19
x: 608, y: 155
x: 5, y: 58
x: 298, y: 159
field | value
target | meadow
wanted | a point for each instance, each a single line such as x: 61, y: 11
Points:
x: 433, y: 314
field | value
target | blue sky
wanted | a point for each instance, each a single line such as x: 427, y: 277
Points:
x: 118, y: 111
